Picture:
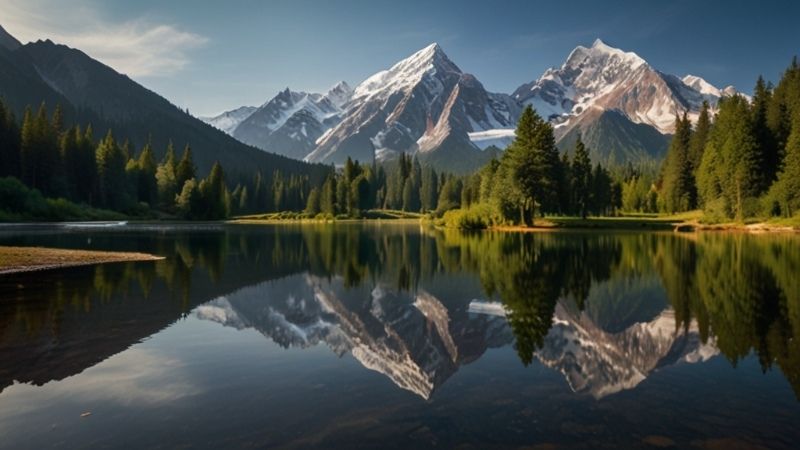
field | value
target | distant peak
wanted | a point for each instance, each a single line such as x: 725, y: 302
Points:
x: 599, y: 49
x: 341, y: 86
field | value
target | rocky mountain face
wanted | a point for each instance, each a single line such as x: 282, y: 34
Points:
x: 413, y: 339
x: 623, y: 108
x: 419, y: 340
x: 229, y: 120
x: 289, y: 124
x: 424, y: 104
x: 615, y: 99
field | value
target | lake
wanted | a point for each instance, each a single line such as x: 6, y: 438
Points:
x: 402, y: 336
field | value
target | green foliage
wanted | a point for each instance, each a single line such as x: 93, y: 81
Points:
x: 476, y: 217
x: 313, y: 204
x: 678, y: 189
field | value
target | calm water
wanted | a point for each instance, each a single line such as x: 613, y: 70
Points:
x: 399, y: 336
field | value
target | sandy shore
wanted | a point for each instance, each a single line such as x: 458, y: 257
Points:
x: 28, y: 259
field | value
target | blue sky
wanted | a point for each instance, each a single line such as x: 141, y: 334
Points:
x: 215, y: 55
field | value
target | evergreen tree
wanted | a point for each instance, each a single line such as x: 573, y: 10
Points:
x: 111, y: 179
x: 678, y: 187
x: 697, y: 142
x: 533, y: 157
x: 729, y: 172
x: 327, y: 202
x: 215, y: 194
x: 185, y: 169
x: 429, y: 189
x: 767, y: 155
x: 361, y: 192
x: 581, y: 178
x: 313, y: 204
x: 147, y: 188
x: 9, y: 143
x: 786, y: 190
x: 166, y: 179
x: 564, y: 179
x: 190, y: 202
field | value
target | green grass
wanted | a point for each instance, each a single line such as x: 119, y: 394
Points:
x: 292, y: 216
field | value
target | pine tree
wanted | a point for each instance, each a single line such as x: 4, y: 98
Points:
x: 678, y: 187
x: 729, y: 172
x: 697, y: 142
x: 429, y: 189
x: 70, y: 156
x: 166, y: 179
x: 28, y: 150
x: 190, y: 203
x: 111, y: 180
x: 313, y: 204
x: 361, y: 192
x: 215, y: 194
x: 9, y: 143
x: 328, y: 196
x: 581, y: 178
x: 185, y: 169
x: 786, y: 189
x: 767, y: 156
x: 533, y: 157
x: 146, y: 185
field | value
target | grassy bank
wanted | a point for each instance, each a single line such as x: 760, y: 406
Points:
x: 301, y: 217
x: 28, y: 259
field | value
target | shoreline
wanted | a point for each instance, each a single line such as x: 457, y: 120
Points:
x: 14, y: 260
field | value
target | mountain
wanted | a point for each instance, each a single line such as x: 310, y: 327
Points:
x: 593, y: 81
x: 229, y: 120
x: 423, y: 103
x: 411, y: 338
x: 290, y: 123
x: 420, y: 339
x: 91, y: 92
x: 8, y: 41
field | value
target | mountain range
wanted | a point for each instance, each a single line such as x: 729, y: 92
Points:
x: 622, y: 107
x: 419, y: 340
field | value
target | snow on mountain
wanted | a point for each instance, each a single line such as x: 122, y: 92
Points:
x: 411, y: 338
x: 340, y: 94
x: 229, y: 120
x: 606, y: 78
x: 418, y: 341
x: 424, y: 104
x: 291, y: 122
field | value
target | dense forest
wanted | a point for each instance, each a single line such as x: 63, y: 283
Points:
x: 54, y: 171
x: 744, y: 163
x: 532, y: 178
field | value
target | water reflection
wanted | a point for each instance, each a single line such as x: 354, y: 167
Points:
x: 605, y: 310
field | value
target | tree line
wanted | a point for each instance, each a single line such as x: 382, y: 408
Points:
x: 532, y: 177
x: 401, y: 185
x: 743, y: 163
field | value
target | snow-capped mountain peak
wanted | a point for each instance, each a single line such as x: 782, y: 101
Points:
x: 700, y: 85
x: 229, y: 120
x: 602, y: 77
x: 405, y: 74
x: 340, y: 94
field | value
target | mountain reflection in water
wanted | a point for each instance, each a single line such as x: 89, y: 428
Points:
x: 605, y: 310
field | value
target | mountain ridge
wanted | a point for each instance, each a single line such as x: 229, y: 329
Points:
x: 426, y: 105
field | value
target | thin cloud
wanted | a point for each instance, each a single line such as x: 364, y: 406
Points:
x: 138, y: 48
